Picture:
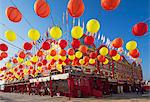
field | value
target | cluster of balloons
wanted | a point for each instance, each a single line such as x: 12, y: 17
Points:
x: 3, y: 51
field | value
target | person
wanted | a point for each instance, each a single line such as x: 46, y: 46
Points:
x: 137, y: 90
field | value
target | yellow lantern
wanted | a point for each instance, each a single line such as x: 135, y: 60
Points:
x: 116, y: 58
x: 78, y: 54
x: 10, y: 35
x: 77, y: 32
x: 8, y: 65
x: 63, y: 58
x: 49, y: 57
x: 71, y: 57
x: 92, y: 61
x: 59, y: 67
x: 131, y: 45
x: 103, y: 51
x: 34, y: 59
x: 81, y: 61
x: 93, y: 26
x: 106, y: 61
x: 56, y: 57
x: 55, y: 32
x: 28, y: 63
x: 34, y: 34
x: 20, y: 60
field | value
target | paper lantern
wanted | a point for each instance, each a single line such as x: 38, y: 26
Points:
x: 110, y: 4
x: 75, y: 8
x: 81, y: 61
x: 39, y: 53
x: 10, y: 35
x: 62, y: 43
x: 46, y: 45
x: 92, y: 61
x: 89, y: 40
x: 34, y: 59
x: 71, y: 57
x: 41, y: 8
x: 49, y: 57
x: 118, y: 42
x: 103, y: 51
x: 112, y: 53
x: 93, y: 26
x: 78, y: 54
x: 13, y: 14
x: 83, y: 48
x: 53, y: 52
x: 77, y: 32
x: 93, y: 55
x: 116, y: 58
x: 101, y: 58
x: 22, y: 54
x: 106, y: 61
x: 86, y: 59
x: 70, y: 51
x: 27, y: 46
x: 131, y: 45
x: 75, y: 43
x: 140, y: 29
x: 4, y: 54
x: 34, y: 34
x: 62, y: 52
x: 3, y: 47
x: 55, y: 32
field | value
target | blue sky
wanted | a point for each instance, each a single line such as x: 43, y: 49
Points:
x: 117, y: 23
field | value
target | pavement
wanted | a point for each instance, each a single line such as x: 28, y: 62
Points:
x: 128, y: 97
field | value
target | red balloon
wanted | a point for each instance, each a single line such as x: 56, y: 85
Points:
x: 67, y: 61
x: 63, y: 44
x: 53, y: 52
x: 41, y: 8
x: 4, y: 54
x: 39, y: 64
x: 3, y: 47
x: 40, y: 53
x: 112, y: 53
x: 27, y: 46
x: 1, y: 58
x: 22, y: 54
x: 140, y: 29
x: 13, y: 14
x: 46, y: 45
x: 101, y: 58
x: 118, y: 42
x: 44, y: 62
x: 86, y: 59
x: 62, y: 52
x: 20, y: 66
x: 75, y: 8
x: 70, y: 51
x: 14, y: 60
x: 52, y: 62
x: 134, y: 53
x: 75, y: 43
x: 89, y: 40
x: 83, y: 49
x: 30, y: 67
x: 93, y: 55
x: 110, y: 4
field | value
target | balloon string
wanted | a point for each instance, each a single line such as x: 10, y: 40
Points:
x: 146, y: 19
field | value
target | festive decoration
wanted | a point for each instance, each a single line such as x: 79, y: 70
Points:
x: 118, y: 42
x: 116, y: 58
x: 134, y: 53
x: 39, y: 53
x: 20, y: 60
x: 34, y: 34
x: 77, y: 32
x: 101, y: 58
x: 78, y: 54
x: 83, y: 48
x: 34, y: 59
x: 89, y: 40
x: 62, y: 43
x: 103, y: 51
x: 53, y: 52
x: 22, y: 54
x: 112, y: 53
x: 106, y: 61
x: 131, y: 45
x: 55, y: 32
x: 49, y: 57
x: 3, y: 47
x: 46, y: 45
x: 75, y: 43
x: 62, y: 52
x: 27, y: 46
x: 93, y: 55
x: 10, y: 35
x: 93, y: 26
x: 70, y: 51
x: 81, y: 61
x: 4, y: 54
x: 71, y: 57
x: 92, y: 61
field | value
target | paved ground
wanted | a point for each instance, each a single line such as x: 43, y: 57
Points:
x: 14, y: 97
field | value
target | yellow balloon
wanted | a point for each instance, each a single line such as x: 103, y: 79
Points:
x: 116, y: 58
x: 71, y: 57
x: 131, y: 45
x: 59, y: 67
x: 39, y: 68
x: 10, y: 35
x: 8, y: 65
x: 63, y: 63
x: 106, y: 61
x: 34, y: 34
x: 103, y: 51
x: 28, y: 63
x: 93, y: 26
x: 55, y: 32
x: 56, y: 57
x: 20, y: 60
x: 81, y: 61
x: 63, y: 58
x: 49, y: 57
x: 34, y: 59
x: 78, y: 54
x: 92, y: 61
x: 25, y: 71
x: 77, y: 32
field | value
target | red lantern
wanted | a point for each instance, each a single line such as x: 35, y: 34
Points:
x: 22, y: 54
x: 44, y: 62
x: 46, y: 45
x: 75, y: 43
x: 3, y: 47
x: 62, y: 52
x: 4, y: 54
x: 140, y: 29
x: 101, y: 58
x: 13, y: 14
x: 63, y: 44
x: 118, y: 42
x: 112, y: 53
x: 40, y: 53
x: 86, y: 59
x: 53, y: 52
x: 70, y: 51
x: 83, y: 49
x: 75, y: 8
x: 14, y: 60
x: 27, y: 46
x: 41, y: 8
x: 89, y: 40
x: 93, y: 55
x: 110, y: 4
